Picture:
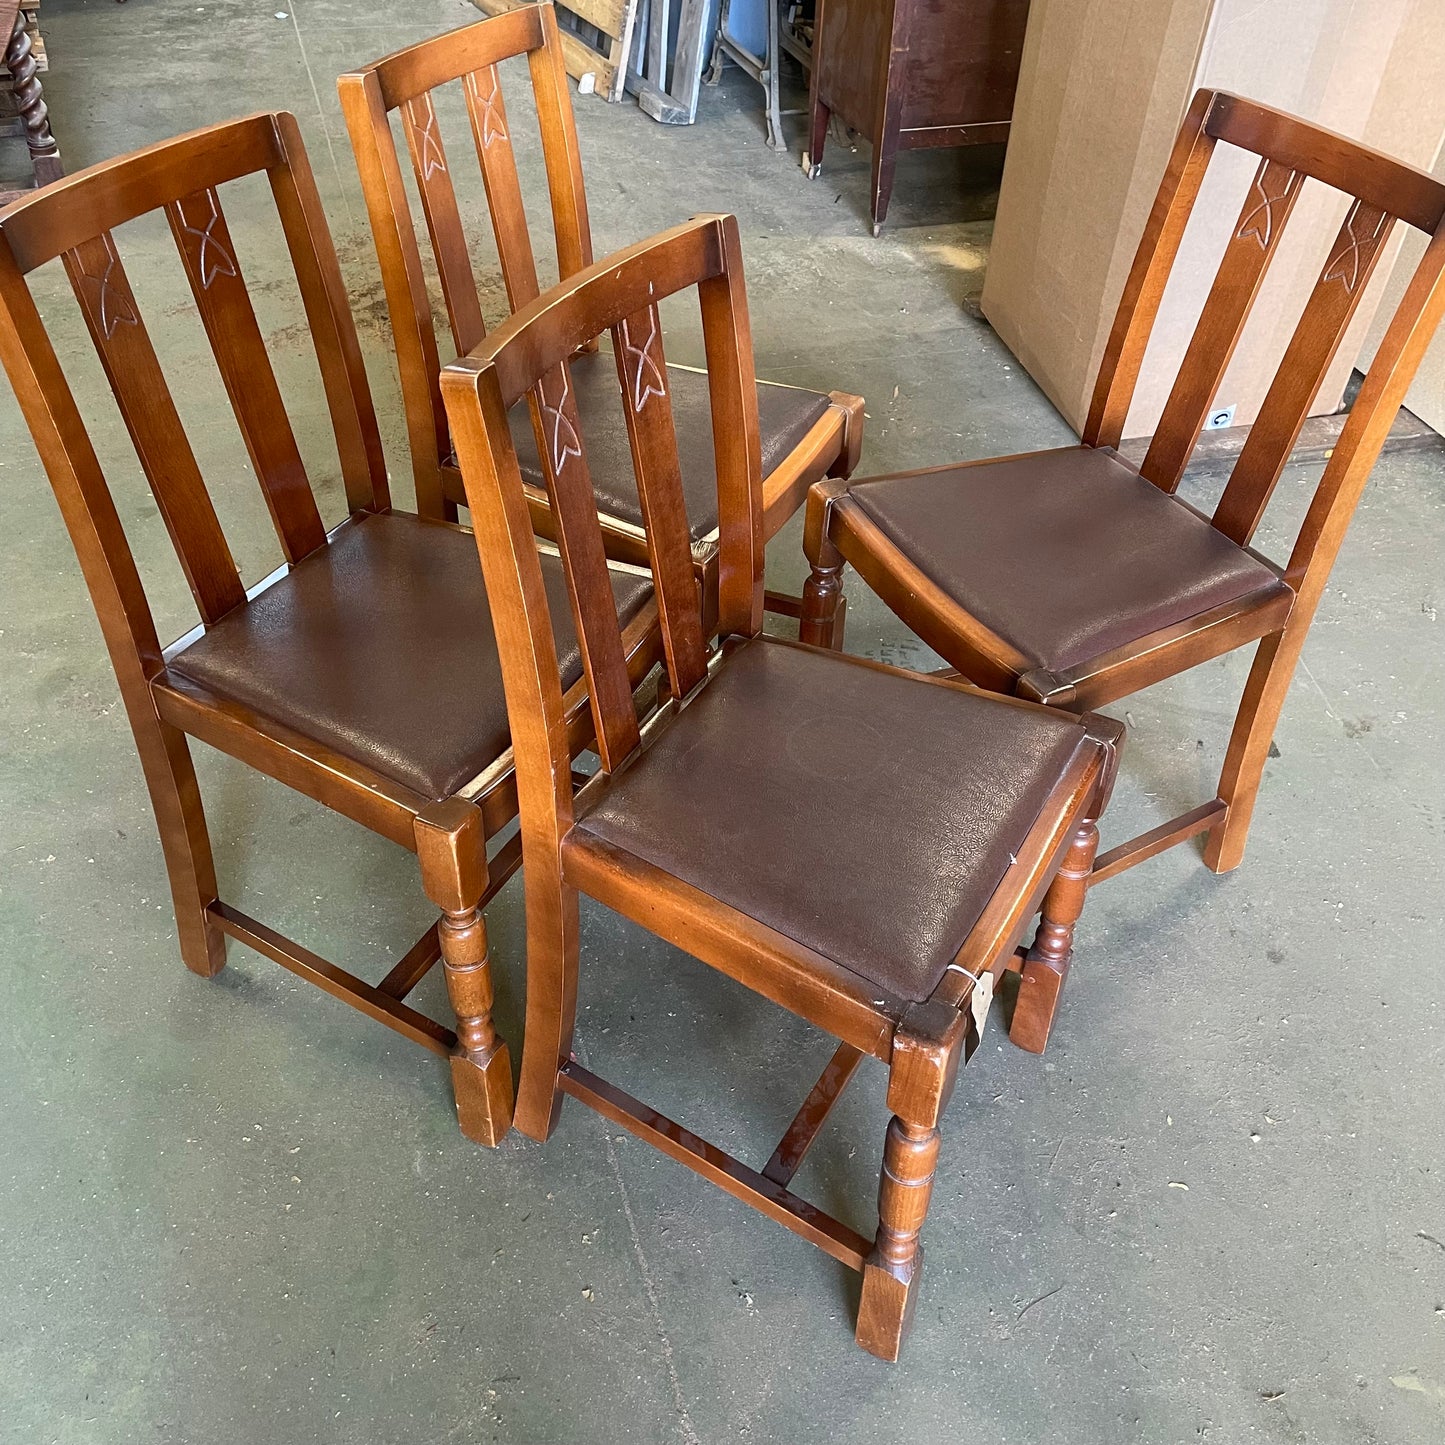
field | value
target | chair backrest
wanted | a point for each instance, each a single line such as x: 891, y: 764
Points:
x: 1384, y: 191
x: 530, y: 351
x: 407, y: 82
x: 74, y: 219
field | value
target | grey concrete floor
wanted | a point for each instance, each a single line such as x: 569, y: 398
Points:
x: 234, y: 1211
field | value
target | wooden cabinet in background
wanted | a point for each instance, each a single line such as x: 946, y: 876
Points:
x: 909, y: 73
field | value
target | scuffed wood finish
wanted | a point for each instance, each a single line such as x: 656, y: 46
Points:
x: 922, y: 1044
x: 406, y: 82
x: 908, y: 74
x: 74, y: 219
x: 1291, y: 151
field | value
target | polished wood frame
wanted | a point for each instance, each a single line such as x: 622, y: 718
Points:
x: 405, y: 82
x: 73, y: 219
x: 839, y: 531
x: 921, y: 1043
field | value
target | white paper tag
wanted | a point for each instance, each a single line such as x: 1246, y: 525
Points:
x: 980, y: 1000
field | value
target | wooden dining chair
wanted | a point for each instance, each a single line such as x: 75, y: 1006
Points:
x: 858, y: 844
x: 805, y: 435
x: 363, y: 671
x: 1075, y: 578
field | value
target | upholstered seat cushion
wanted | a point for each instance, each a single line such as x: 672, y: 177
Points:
x: 785, y: 416
x: 1065, y: 554
x: 867, y: 815
x: 380, y: 646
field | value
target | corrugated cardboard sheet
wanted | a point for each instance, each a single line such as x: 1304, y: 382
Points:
x: 1103, y: 88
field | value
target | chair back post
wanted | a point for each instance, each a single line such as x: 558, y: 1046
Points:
x: 1144, y: 289
x: 86, y: 505
x: 570, y: 223
x: 405, y: 82
x: 737, y: 444
x: 403, y: 282
x: 1412, y: 328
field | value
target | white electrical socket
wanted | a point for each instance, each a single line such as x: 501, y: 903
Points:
x: 1220, y: 417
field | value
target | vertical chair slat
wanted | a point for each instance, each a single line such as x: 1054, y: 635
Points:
x: 150, y: 416
x: 1312, y: 349
x: 332, y: 326
x: 204, y: 241
x: 574, y: 505
x: 493, y: 137
x: 444, y: 221
x: 1262, y: 220
x: 642, y: 369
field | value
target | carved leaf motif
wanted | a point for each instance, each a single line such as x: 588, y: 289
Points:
x: 492, y: 127
x: 432, y: 159
x: 1259, y: 221
x: 1351, y: 259
x: 565, y: 441
x: 646, y: 375
x: 114, y: 304
x: 214, y: 259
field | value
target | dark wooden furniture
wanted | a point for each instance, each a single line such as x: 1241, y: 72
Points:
x: 1073, y: 578
x: 22, y: 109
x: 805, y: 435
x: 858, y: 844
x: 912, y: 73
x: 362, y: 672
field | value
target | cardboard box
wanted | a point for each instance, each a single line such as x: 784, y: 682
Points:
x: 1414, y: 126
x: 1101, y: 95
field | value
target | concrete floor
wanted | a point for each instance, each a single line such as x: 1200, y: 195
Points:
x: 237, y: 1212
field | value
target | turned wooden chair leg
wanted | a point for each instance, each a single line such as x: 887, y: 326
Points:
x: 552, y: 943
x: 1047, y: 964
x: 29, y: 100
x: 176, y: 799
x: 821, y: 620
x: 451, y: 848
x: 1259, y: 710
x: 891, y: 1275
x: 927, y: 1051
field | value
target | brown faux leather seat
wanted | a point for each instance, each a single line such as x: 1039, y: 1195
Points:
x: 380, y: 646
x: 844, y: 766
x: 1065, y: 554
x: 785, y: 416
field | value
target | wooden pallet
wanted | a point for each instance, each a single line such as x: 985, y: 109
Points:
x: 665, y: 72
x: 596, y: 40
